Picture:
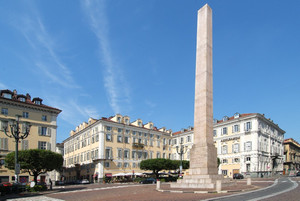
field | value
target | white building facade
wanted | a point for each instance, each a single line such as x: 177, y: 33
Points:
x: 246, y: 143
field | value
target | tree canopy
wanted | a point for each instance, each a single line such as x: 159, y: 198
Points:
x: 159, y: 164
x: 35, y: 161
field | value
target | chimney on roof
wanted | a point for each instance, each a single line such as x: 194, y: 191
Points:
x: 28, y: 97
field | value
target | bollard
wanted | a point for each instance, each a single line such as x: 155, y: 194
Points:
x: 218, y: 186
x: 249, y: 181
x: 157, y: 185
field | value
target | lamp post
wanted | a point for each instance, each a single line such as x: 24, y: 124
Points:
x: 181, y: 150
x: 17, y: 135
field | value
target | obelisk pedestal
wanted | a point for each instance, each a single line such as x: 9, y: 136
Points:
x: 203, y: 172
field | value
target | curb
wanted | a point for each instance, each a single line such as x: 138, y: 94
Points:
x: 202, y: 192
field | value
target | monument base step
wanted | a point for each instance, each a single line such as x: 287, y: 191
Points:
x: 202, y: 181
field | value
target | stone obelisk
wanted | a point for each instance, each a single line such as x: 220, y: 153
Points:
x: 203, y: 172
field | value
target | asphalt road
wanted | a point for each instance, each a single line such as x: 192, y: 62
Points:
x: 280, y: 186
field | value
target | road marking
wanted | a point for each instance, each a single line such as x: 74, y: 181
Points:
x: 295, y: 185
x: 37, y: 198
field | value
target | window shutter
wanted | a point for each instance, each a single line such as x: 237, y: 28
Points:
x: 39, y: 144
x: 48, y: 146
x: 6, y: 143
x: 1, y: 126
x: 221, y: 131
x: 40, y: 131
x: 233, y: 129
x: 49, y: 131
x: 250, y: 125
x: 1, y: 143
x: 244, y: 126
x: 244, y: 146
x: 233, y: 151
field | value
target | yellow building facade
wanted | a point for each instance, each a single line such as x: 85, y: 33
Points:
x: 112, y: 146
x: 292, y: 156
x: 42, y: 135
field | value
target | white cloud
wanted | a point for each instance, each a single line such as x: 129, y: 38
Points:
x: 114, y: 80
x: 45, y: 54
x: 3, y: 86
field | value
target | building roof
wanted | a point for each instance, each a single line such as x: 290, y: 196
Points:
x: 15, y: 98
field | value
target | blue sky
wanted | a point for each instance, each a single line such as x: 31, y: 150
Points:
x: 137, y: 58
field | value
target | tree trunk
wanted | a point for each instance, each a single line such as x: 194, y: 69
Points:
x: 35, y: 178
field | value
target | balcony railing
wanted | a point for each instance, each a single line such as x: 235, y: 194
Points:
x: 138, y: 145
x: 103, y: 158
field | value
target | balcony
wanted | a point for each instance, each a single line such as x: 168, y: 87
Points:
x: 138, y: 145
x: 106, y: 158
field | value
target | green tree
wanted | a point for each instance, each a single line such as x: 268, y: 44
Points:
x: 219, y: 161
x: 35, y: 161
x: 176, y: 163
x: 156, y: 165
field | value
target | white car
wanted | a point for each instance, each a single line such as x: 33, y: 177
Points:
x: 85, y: 181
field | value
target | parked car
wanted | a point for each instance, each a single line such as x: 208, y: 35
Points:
x: 238, y: 176
x: 85, y: 181
x: 59, y: 183
x: 148, y: 181
x: 298, y: 174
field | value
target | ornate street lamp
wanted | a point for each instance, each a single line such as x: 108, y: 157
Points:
x: 17, y: 135
x: 181, y: 150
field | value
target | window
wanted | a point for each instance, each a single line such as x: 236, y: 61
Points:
x: 236, y: 128
x: 120, y: 138
x: 215, y: 133
x: 127, y: 132
x: 151, y: 143
x: 236, y: 160
x: 145, y: 155
x: 43, y: 145
x: 3, y: 143
x: 146, y: 142
x: 224, y: 149
x: 126, y: 139
x: 133, y: 140
x: 133, y: 154
x: 133, y: 165
x: 120, y: 130
x: 25, y: 115
x: 140, y: 154
x: 140, y: 124
x: 140, y: 134
x: 248, y: 167
x: 126, y: 165
x: 44, y: 131
x: 7, y: 95
x: 24, y: 144
x: 158, y: 155
x: 119, y: 153
x: 188, y: 139
x: 248, y: 158
x: 22, y: 99
x: 151, y: 154
x: 119, y: 119
x: 126, y: 121
x: 248, y: 146
x: 158, y: 143
x: 108, y: 128
x: 44, y: 117
x: 236, y: 148
x: 108, y: 137
x: 108, y: 153
x: 106, y: 164
x: 224, y: 131
x: 4, y: 111
x: 133, y: 132
x: 164, y: 155
x: 248, y: 126
x: 97, y: 137
x: 174, y: 141
x: 181, y: 140
x: 224, y: 161
x: 126, y: 154
x: 224, y: 172
x: 37, y: 102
